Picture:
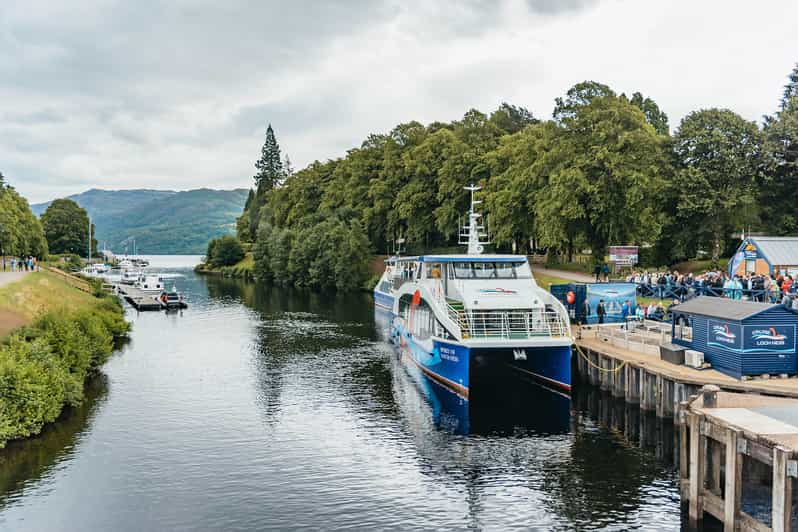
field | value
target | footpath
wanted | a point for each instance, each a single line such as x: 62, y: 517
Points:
x: 9, y: 319
x: 11, y: 277
x: 564, y: 274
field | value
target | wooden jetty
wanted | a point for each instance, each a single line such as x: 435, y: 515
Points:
x: 729, y: 437
x: 726, y: 436
x: 139, y: 299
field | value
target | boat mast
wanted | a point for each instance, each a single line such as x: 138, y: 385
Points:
x: 473, y: 231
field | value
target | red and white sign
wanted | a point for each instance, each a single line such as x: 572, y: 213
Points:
x: 624, y: 254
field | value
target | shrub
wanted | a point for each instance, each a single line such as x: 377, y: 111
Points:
x: 224, y: 251
x: 44, y: 366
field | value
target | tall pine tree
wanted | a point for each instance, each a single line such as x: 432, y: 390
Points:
x: 270, y: 175
x: 270, y: 165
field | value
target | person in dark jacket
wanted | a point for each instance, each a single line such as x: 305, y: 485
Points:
x: 586, y: 310
x: 601, y: 311
x: 597, y: 272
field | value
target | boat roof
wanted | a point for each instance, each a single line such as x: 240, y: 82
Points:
x: 459, y: 258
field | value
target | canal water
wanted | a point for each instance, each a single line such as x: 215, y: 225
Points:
x: 264, y: 408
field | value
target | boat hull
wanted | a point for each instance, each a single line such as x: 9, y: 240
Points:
x: 455, y: 365
x: 383, y: 300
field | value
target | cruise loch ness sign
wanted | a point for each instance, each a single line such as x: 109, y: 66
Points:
x: 769, y: 339
x: 724, y: 335
x: 751, y: 338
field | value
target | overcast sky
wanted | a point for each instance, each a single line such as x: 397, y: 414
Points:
x: 177, y: 93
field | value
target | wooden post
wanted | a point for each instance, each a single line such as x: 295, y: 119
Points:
x: 684, y: 448
x: 734, y: 480
x: 697, y: 441
x: 710, y: 393
x: 782, y: 490
x: 714, y: 479
x: 643, y: 381
x: 660, y: 397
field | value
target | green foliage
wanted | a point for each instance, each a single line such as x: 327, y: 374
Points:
x: 604, y: 171
x: 20, y: 231
x: 780, y: 192
x: 224, y: 251
x: 66, y: 227
x: 332, y: 254
x: 718, y: 176
x: 43, y: 367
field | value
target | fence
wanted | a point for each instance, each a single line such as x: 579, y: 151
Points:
x: 683, y: 292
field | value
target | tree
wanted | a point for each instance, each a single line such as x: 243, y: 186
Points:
x: 719, y: 157
x: 224, y: 251
x: 66, y: 227
x: 790, y: 89
x: 605, y: 167
x: 270, y: 165
x: 20, y: 231
x: 780, y: 192
x: 511, y: 119
x: 656, y: 117
x: 577, y: 97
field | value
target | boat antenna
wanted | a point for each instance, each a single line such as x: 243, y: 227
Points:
x: 472, y: 234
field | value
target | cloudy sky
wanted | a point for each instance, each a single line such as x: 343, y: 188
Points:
x: 176, y: 93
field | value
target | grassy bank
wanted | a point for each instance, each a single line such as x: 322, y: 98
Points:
x: 243, y: 269
x: 66, y: 335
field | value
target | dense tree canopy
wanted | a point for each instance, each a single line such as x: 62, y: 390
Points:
x: 66, y: 227
x: 605, y: 170
x: 718, y: 177
x: 20, y: 231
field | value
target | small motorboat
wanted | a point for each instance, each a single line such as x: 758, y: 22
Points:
x: 172, y: 299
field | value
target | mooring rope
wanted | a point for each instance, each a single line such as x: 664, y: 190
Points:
x: 590, y: 362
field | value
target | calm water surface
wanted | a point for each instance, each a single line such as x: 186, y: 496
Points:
x: 262, y: 408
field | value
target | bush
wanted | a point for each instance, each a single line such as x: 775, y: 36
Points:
x: 44, y: 366
x: 224, y: 251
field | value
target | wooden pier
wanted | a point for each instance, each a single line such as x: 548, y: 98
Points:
x: 139, y: 299
x: 725, y: 437
x: 733, y: 434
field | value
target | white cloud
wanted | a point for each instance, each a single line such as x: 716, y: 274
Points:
x: 115, y: 94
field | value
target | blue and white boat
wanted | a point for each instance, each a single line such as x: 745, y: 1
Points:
x: 454, y: 315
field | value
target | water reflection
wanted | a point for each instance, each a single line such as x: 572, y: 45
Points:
x: 29, y: 461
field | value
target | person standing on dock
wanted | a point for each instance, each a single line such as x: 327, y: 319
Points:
x: 601, y: 311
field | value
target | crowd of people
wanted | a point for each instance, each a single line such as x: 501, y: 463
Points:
x: 22, y: 264
x: 778, y: 288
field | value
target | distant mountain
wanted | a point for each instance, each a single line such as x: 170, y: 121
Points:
x: 161, y: 221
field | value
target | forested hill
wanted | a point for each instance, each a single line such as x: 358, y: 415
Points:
x: 161, y: 221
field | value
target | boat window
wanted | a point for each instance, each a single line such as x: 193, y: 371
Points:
x: 484, y: 270
x: 492, y: 270
x: 434, y: 270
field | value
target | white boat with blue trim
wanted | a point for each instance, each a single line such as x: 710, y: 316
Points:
x: 453, y: 314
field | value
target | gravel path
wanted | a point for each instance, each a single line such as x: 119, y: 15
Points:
x: 10, y: 277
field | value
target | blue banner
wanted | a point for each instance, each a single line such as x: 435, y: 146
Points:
x: 614, y: 296
x: 724, y: 335
x: 769, y: 338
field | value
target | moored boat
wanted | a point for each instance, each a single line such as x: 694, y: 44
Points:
x: 455, y: 315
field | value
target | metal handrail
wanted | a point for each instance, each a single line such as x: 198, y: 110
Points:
x: 510, y: 324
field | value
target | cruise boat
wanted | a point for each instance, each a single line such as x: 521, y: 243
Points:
x: 454, y: 315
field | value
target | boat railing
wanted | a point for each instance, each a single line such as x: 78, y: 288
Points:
x: 510, y: 324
